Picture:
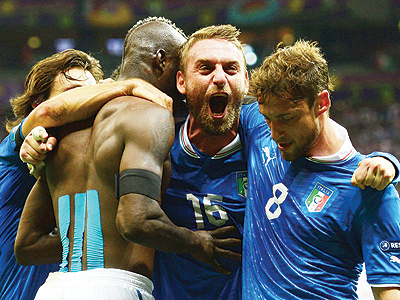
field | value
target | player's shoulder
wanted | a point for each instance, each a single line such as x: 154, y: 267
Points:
x: 132, y: 108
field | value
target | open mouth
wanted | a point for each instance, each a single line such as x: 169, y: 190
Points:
x: 218, y: 103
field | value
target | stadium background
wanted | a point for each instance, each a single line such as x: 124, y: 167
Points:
x: 360, y: 39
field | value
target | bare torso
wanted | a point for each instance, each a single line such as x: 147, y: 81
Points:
x: 87, y: 158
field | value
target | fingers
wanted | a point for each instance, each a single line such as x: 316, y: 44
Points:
x: 145, y: 90
x: 356, y: 181
x: 39, y: 133
x: 36, y: 145
x: 223, y: 231
x: 51, y: 143
x: 376, y: 172
x: 219, y: 268
x: 228, y: 242
x: 32, y: 151
x: 228, y: 254
x: 107, y: 80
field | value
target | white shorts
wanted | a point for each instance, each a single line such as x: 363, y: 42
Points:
x: 96, y: 284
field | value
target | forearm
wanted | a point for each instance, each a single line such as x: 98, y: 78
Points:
x: 74, y: 105
x: 35, y: 243
x: 149, y: 226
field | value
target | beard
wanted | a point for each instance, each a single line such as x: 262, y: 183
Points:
x: 302, y: 148
x: 200, y: 110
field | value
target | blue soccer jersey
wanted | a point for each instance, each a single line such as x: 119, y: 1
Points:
x: 16, y: 281
x: 204, y: 193
x: 308, y: 230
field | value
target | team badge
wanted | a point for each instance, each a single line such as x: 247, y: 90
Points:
x: 241, y: 178
x: 318, y: 198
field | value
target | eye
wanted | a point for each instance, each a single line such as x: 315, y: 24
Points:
x: 232, y: 69
x: 287, y: 118
x: 204, y: 69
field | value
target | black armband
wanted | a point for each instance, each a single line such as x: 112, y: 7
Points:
x: 137, y: 181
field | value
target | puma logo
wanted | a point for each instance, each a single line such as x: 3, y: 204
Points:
x: 268, y: 155
x: 394, y: 259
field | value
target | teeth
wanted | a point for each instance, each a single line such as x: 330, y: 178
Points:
x: 219, y: 94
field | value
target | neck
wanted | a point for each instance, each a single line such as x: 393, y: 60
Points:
x: 207, y: 143
x: 328, y: 141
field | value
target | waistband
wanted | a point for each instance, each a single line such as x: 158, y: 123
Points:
x: 108, y: 274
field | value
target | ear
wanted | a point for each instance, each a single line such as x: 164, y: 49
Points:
x: 324, y: 102
x: 159, y: 62
x: 180, y: 83
x: 247, y: 82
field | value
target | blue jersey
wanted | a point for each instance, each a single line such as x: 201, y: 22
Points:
x: 16, y: 281
x: 308, y: 230
x: 204, y: 193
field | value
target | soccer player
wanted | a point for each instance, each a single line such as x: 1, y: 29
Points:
x: 107, y: 243
x: 208, y: 182
x: 209, y: 175
x: 307, y: 229
x: 46, y: 79
x: 68, y: 79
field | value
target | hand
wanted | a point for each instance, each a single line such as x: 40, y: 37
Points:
x: 140, y: 88
x: 35, y: 147
x: 214, y: 246
x: 376, y: 172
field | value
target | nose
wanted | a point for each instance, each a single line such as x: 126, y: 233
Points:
x: 219, y: 77
x: 276, y: 130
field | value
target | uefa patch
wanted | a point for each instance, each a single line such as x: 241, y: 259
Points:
x: 390, y: 246
x: 318, y: 198
x: 241, y: 179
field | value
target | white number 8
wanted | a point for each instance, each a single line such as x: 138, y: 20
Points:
x: 277, y: 200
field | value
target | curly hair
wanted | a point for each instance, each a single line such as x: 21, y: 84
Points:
x: 40, y: 78
x: 294, y: 72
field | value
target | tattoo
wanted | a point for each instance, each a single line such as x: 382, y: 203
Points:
x: 161, y: 135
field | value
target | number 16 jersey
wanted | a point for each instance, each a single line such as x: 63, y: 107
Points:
x: 205, y: 193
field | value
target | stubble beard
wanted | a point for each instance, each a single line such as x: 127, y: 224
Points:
x: 302, y: 149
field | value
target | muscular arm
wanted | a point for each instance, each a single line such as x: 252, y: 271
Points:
x: 35, y: 243
x: 140, y: 219
x: 83, y: 102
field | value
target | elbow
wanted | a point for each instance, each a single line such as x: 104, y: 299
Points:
x: 20, y: 254
x: 131, y: 227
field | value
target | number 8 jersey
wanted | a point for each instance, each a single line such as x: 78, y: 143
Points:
x: 205, y: 192
x: 308, y: 230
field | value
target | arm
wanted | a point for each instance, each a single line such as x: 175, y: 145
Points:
x: 83, y: 102
x: 140, y: 219
x: 35, y: 243
x: 386, y: 293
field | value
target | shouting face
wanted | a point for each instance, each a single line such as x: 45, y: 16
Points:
x: 214, y: 82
